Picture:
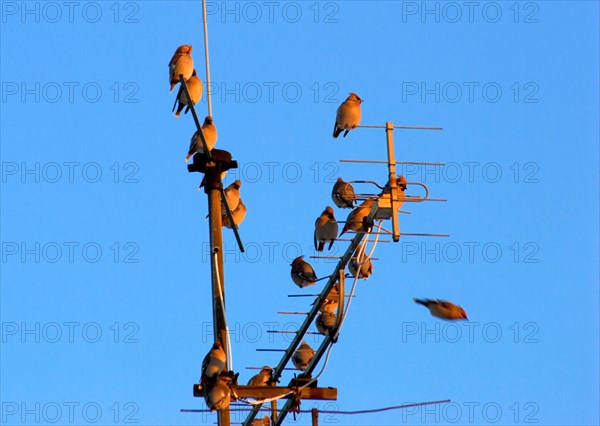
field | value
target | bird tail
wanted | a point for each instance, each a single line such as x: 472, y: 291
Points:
x: 420, y: 301
x: 321, y: 245
x: 345, y: 133
x: 336, y: 130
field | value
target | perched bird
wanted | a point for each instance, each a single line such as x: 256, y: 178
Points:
x: 210, y: 136
x: 331, y: 302
x: 238, y: 215
x: 326, y: 228
x: 357, y: 216
x: 265, y: 421
x: 364, y: 269
x: 401, y: 184
x: 348, y: 115
x: 302, y: 273
x: 232, y: 195
x: 443, y: 309
x: 302, y: 356
x: 343, y: 194
x: 262, y: 378
x: 181, y: 63
x: 195, y: 88
x: 213, y: 363
x: 325, y: 322
x: 219, y: 396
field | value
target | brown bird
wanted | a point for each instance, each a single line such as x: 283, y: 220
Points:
x: 443, y: 309
x: 325, y: 322
x: 401, y: 184
x: 209, y: 130
x: 195, y: 88
x: 238, y: 215
x: 343, y: 194
x: 262, y: 378
x: 364, y: 269
x: 302, y: 273
x: 348, y: 115
x: 302, y: 356
x: 326, y: 228
x: 357, y: 216
x: 213, y: 363
x: 181, y: 63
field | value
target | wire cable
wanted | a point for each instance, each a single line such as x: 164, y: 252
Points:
x: 205, y: 22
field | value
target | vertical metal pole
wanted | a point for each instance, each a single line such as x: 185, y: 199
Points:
x: 315, y: 416
x: 393, y: 186
x: 204, y: 21
x: 213, y: 189
x: 273, y: 411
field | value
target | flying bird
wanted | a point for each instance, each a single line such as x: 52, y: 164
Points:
x: 209, y: 131
x: 343, y: 194
x: 181, y: 64
x: 302, y: 356
x: 195, y: 88
x: 357, y: 216
x: 443, y: 309
x: 238, y: 215
x: 348, y: 115
x: 302, y: 273
x: 326, y: 228
x: 262, y: 378
x: 213, y: 363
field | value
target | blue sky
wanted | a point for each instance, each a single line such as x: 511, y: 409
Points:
x: 105, y: 296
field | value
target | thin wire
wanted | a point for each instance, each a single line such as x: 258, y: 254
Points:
x: 370, y: 411
x: 229, y: 351
x: 208, y: 94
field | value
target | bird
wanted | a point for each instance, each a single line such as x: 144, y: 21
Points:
x: 302, y: 273
x: 218, y: 396
x: 262, y: 378
x: 401, y: 184
x: 195, y: 88
x: 238, y: 215
x: 325, y: 322
x: 443, y: 309
x: 357, y: 216
x: 265, y: 421
x: 181, y: 64
x: 343, y: 194
x: 326, y: 229
x: 302, y: 356
x: 213, y: 363
x: 210, y: 136
x: 232, y: 195
x: 348, y: 115
x: 364, y: 268
x: 331, y: 302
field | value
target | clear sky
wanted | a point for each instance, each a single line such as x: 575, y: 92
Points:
x: 105, y: 291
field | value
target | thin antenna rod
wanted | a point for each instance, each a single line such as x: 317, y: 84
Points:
x: 208, y: 94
